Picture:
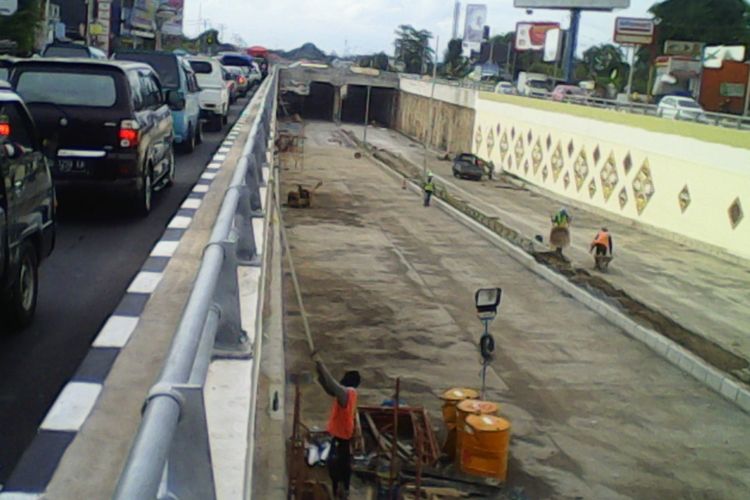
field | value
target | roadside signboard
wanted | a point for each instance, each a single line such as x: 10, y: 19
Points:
x: 8, y: 7
x: 678, y: 48
x: 714, y: 56
x: 552, y: 45
x: 174, y: 25
x: 531, y: 36
x: 476, y: 19
x: 634, y: 31
x: 572, y: 4
x: 732, y: 89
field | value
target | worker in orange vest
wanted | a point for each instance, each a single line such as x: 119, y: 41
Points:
x: 602, y: 243
x: 340, y: 424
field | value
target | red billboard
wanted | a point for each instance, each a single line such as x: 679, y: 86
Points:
x: 531, y: 36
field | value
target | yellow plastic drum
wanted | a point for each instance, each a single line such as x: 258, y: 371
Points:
x: 485, y: 447
x: 468, y: 408
x: 451, y: 398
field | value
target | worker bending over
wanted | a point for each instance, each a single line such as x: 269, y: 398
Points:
x: 602, y: 243
x: 340, y: 424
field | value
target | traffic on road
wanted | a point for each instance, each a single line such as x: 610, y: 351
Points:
x: 96, y: 156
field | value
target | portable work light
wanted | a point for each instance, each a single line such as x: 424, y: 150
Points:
x: 488, y: 301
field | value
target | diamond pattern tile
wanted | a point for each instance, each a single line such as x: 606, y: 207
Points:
x: 735, y: 213
x: 526, y: 167
x: 566, y: 179
x: 684, y: 199
x: 545, y: 173
x: 557, y: 162
x: 504, y: 145
x: 571, y: 148
x: 592, y: 187
x: 490, y: 142
x: 497, y: 130
x: 627, y: 163
x: 549, y: 141
x: 478, y: 137
x: 529, y: 137
x: 623, y: 197
x: 581, y: 169
x: 609, y: 177
x: 643, y: 187
x: 537, y: 156
x: 513, y: 132
x: 519, y: 150
x: 596, y: 155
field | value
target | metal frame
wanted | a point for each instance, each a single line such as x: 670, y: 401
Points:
x: 170, y: 457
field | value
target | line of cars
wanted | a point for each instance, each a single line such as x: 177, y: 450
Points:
x: 71, y: 124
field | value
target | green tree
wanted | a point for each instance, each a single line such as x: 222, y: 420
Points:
x: 455, y: 65
x: 21, y: 27
x: 605, y: 64
x: 377, y: 61
x: 714, y: 22
x: 413, y: 49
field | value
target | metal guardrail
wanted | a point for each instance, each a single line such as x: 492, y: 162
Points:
x: 707, y: 118
x: 170, y: 457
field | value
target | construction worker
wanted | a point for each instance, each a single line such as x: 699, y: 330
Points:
x: 429, y: 189
x: 561, y: 218
x: 559, y: 236
x: 340, y: 424
x: 602, y: 243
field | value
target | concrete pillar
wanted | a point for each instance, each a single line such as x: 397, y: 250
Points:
x: 337, y: 104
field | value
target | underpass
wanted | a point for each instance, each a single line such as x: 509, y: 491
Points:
x: 99, y: 249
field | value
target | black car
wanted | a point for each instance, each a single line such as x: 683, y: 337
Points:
x: 468, y: 166
x: 106, y: 123
x: 71, y: 49
x: 27, y: 212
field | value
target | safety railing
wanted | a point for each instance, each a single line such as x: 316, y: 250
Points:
x: 170, y: 457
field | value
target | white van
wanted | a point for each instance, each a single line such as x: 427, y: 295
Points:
x: 214, y: 96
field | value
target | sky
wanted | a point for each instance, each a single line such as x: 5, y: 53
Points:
x: 367, y: 26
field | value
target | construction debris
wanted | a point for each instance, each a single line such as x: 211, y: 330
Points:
x: 302, y: 197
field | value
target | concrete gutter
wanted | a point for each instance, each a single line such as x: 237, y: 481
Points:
x: 518, y: 247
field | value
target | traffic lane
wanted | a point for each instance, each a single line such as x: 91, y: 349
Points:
x: 100, y: 248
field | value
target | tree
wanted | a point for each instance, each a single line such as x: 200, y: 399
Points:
x: 714, y: 22
x: 605, y: 64
x: 21, y: 27
x: 377, y: 61
x: 455, y: 65
x: 413, y: 48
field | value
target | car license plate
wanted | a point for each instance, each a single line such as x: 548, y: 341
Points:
x: 72, y: 166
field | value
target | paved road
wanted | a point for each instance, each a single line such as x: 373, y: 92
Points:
x: 389, y: 290
x: 100, y: 248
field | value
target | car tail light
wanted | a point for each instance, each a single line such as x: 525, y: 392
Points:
x: 4, y: 129
x: 129, y: 134
x: 242, y: 80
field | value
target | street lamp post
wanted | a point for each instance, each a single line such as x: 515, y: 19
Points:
x: 487, y: 301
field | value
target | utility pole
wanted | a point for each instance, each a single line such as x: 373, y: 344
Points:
x: 428, y: 138
x: 367, y: 114
x: 89, y: 17
x: 629, y: 88
x: 571, y: 45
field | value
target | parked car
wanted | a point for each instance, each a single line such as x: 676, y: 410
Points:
x: 176, y: 75
x: 564, y: 92
x: 106, y: 123
x: 681, y: 108
x: 506, y: 88
x: 214, y: 96
x: 27, y: 211
x: 6, y: 63
x: 71, y: 49
x: 231, y: 84
x: 469, y: 166
x: 240, y: 77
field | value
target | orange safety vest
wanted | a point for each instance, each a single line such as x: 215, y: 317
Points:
x: 341, y: 421
x: 602, y: 238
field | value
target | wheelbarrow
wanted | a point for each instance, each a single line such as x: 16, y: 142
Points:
x: 301, y: 197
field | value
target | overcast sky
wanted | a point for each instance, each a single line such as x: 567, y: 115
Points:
x: 367, y: 26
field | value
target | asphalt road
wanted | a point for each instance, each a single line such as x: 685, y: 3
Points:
x: 100, y: 248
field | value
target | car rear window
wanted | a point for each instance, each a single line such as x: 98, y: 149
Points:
x: 165, y: 66
x: 687, y: 103
x: 66, y: 52
x: 202, y: 67
x: 236, y: 61
x: 67, y: 89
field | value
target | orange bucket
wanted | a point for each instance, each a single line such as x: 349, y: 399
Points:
x: 451, y: 398
x: 471, y: 407
x: 485, y: 447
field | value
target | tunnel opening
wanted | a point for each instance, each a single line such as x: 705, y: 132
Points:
x: 318, y: 105
x: 382, y: 105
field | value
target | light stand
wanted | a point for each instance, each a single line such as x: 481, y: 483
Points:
x: 487, y: 302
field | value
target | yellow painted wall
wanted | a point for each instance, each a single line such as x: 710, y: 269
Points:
x: 629, y: 171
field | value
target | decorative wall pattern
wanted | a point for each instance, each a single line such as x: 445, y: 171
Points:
x: 684, y: 199
x: 735, y: 213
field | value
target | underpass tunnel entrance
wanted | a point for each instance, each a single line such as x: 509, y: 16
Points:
x: 382, y: 105
x: 318, y: 105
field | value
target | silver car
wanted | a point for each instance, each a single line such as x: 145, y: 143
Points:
x: 681, y: 108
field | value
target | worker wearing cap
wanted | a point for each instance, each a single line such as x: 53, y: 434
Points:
x: 340, y: 423
x: 602, y: 243
x: 429, y: 189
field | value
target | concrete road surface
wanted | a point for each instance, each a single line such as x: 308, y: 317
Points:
x: 389, y: 284
x: 100, y: 247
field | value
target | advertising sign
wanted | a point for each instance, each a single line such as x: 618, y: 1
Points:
x: 714, y: 56
x: 174, y: 25
x: 552, y: 45
x: 677, y: 48
x: 732, y: 89
x: 634, y: 31
x: 531, y: 36
x: 476, y: 19
x: 572, y: 4
x: 8, y: 7
x: 143, y: 14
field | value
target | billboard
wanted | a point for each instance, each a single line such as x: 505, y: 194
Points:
x: 634, y: 31
x: 174, y: 25
x: 476, y: 19
x: 143, y: 14
x: 8, y: 7
x: 552, y: 45
x: 714, y: 56
x: 572, y: 4
x: 678, y: 48
x: 531, y: 36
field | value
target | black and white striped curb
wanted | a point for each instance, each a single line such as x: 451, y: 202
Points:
x: 75, y: 402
